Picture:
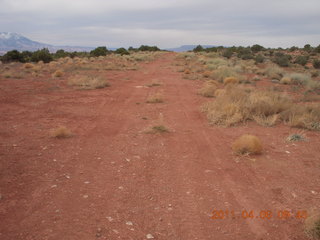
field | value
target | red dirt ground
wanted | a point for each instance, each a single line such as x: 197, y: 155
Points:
x: 111, y: 180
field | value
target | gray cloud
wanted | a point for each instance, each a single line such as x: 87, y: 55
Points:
x: 164, y: 23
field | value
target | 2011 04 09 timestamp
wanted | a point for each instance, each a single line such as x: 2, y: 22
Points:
x: 258, y: 214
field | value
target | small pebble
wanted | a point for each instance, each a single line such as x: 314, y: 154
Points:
x: 85, y: 196
x: 110, y: 219
x: 129, y: 223
x: 149, y: 236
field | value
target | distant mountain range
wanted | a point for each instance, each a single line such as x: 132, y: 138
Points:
x: 14, y: 41
x: 185, y: 48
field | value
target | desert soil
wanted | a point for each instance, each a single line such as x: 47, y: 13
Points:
x: 112, y: 180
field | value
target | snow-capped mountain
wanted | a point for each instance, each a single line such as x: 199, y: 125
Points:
x: 14, y: 41
x: 10, y: 41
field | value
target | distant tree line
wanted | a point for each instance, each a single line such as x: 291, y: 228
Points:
x: 280, y: 56
x: 256, y: 48
x: 45, y: 55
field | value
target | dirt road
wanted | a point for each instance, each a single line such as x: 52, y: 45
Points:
x: 112, y: 180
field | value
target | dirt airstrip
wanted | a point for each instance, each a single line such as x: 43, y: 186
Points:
x: 113, y: 180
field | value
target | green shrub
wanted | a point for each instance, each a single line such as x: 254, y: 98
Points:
x: 307, y: 48
x: 99, y: 51
x: 42, y: 55
x: 257, y: 48
x: 61, y: 54
x: 227, y: 53
x: 27, y: 55
x: 302, y: 60
x: 132, y: 49
x: 12, y: 56
x: 245, y: 53
x: 16, y: 56
x: 316, y: 63
x: 122, y: 51
x: 211, y: 49
x: 148, y: 48
x: 315, y: 73
x: 198, y: 48
x: 282, y: 60
x: 259, y: 59
x: 317, y: 49
x: 294, y: 48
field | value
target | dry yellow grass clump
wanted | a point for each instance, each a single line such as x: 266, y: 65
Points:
x: 157, y: 129
x: 223, y: 72
x: 156, y: 98
x: 239, y: 104
x: 274, y: 72
x: 60, y: 132
x: 154, y: 83
x: 285, y: 80
x: 187, y: 71
x: 303, y: 116
x: 230, y: 80
x: 219, y: 92
x: 53, y: 64
x: 236, y: 104
x: 312, y: 226
x: 88, y: 82
x: 247, y: 144
x: 208, y: 89
x: 206, y: 74
x: 266, y: 121
x: 37, y: 68
x: 28, y: 65
x: 57, y: 74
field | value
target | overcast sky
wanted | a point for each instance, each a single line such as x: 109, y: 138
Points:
x: 165, y: 23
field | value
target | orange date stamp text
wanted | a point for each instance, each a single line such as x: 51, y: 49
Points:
x: 219, y: 214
